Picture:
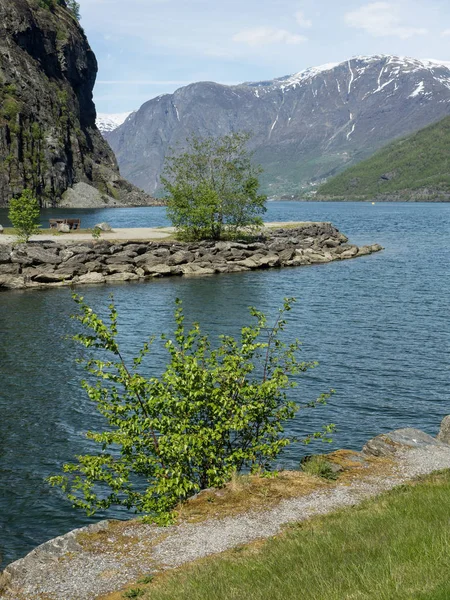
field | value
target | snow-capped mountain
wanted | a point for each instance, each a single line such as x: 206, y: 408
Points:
x: 305, y: 126
x: 108, y: 122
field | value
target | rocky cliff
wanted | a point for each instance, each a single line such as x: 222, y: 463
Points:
x: 305, y: 127
x: 48, y: 138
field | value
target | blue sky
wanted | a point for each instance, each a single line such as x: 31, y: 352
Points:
x: 150, y: 47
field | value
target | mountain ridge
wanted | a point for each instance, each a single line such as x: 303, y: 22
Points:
x: 306, y: 127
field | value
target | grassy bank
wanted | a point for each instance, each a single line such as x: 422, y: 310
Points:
x: 396, y: 547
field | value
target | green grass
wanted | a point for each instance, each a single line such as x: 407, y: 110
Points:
x: 396, y: 547
x: 418, y: 162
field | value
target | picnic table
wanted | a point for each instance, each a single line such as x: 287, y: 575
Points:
x: 72, y: 223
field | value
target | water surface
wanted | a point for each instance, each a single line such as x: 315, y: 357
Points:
x: 379, y: 325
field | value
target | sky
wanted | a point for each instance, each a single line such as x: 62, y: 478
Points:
x: 150, y: 47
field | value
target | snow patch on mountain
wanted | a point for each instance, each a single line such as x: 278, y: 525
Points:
x: 109, y: 122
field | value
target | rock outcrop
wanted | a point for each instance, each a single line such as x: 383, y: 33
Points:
x: 48, y: 138
x: 49, y: 264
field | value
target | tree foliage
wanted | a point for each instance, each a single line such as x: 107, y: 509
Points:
x: 213, y: 412
x: 24, y: 215
x: 72, y: 5
x: 213, y: 187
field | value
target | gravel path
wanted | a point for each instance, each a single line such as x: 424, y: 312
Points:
x: 72, y: 573
x: 123, y: 233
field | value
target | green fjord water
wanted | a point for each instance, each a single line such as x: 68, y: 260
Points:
x: 379, y: 325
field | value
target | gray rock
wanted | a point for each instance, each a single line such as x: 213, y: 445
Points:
x: 41, y: 256
x: 444, y: 431
x: 63, y: 228
x: 387, y: 444
x: 1, y: 229
x: 12, y: 282
x: 286, y: 254
x: 103, y: 227
x: 157, y: 270
x: 93, y: 277
x: 194, y: 270
x: 181, y: 257
x: 80, y: 249
x: 121, y: 277
x: 112, y: 269
x: 5, y: 254
x: 9, y: 269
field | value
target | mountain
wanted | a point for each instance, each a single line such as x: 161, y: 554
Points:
x: 109, y: 122
x: 306, y: 127
x: 414, y: 168
x: 48, y: 138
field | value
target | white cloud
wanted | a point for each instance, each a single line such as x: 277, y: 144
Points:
x: 260, y: 36
x: 302, y: 20
x: 381, y: 19
x: 446, y: 33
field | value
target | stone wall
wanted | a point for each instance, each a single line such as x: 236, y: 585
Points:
x: 51, y: 264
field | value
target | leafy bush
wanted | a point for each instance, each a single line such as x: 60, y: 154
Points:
x: 212, y: 413
x: 213, y: 188
x: 24, y: 215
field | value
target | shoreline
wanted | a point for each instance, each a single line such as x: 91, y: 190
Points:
x: 146, y: 253
x: 104, y: 559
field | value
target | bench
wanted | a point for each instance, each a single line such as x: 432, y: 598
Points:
x: 72, y: 223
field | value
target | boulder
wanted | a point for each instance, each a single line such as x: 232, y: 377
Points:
x: 120, y: 277
x: 103, y: 227
x: 5, y: 254
x: 181, y: 257
x: 9, y: 269
x: 195, y: 269
x: 444, y: 431
x: 364, y: 250
x: 19, y: 255
x: 92, y: 278
x: 40, y: 255
x: 158, y: 270
x: 63, y: 228
x: 286, y: 254
x: 250, y: 263
x: 80, y: 249
x: 388, y: 444
x: 1, y: 229
x: 12, y: 282
x: 50, y: 277
x: 112, y: 269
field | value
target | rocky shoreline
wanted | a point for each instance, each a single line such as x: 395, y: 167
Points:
x: 46, y: 264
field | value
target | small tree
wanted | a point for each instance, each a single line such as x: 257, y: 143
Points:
x: 24, y: 215
x: 74, y: 8
x: 213, y: 412
x: 213, y: 187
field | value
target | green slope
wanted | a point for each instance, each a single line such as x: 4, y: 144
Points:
x: 416, y: 167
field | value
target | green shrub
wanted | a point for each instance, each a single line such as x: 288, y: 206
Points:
x: 24, y: 215
x: 320, y: 466
x: 211, y: 414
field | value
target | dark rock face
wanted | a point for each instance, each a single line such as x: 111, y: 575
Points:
x: 48, y: 138
x: 37, y: 265
x: 305, y: 127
